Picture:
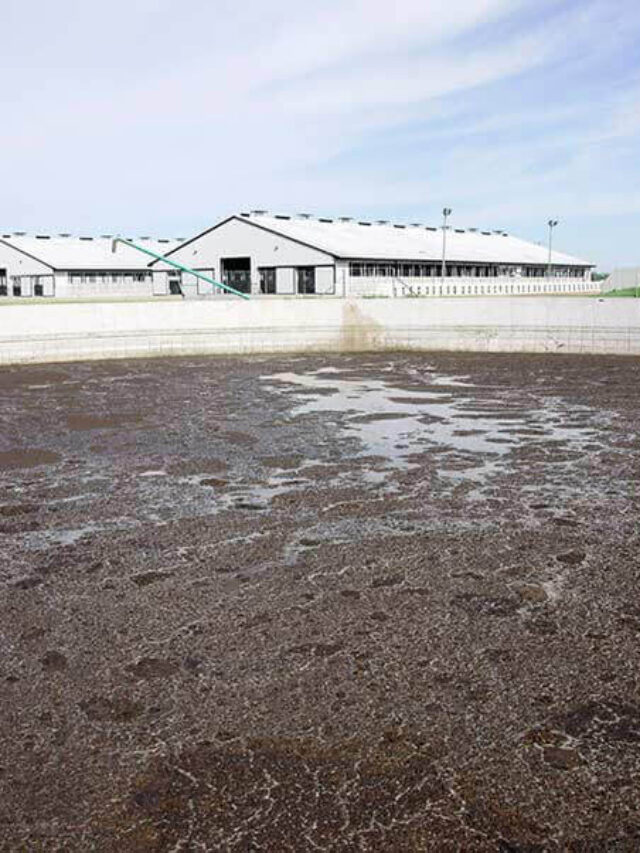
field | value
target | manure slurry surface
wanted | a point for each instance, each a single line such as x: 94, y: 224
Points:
x: 374, y: 602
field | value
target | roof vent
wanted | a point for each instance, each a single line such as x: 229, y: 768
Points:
x: 64, y: 235
x: 416, y: 224
x: 364, y: 223
x: 303, y: 215
x: 346, y: 219
x: 325, y: 220
x: 144, y: 238
x: 473, y: 230
x: 382, y: 221
x: 430, y: 228
x: 181, y: 239
x: 259, y: 212
x: 459, y: 230
x: 91, y: 238
x: 7, y: 235
x: 245, y: 214
x: 282, y: 216
x: 103, y: 236
x: 399, y: 226
x: 487, y: 233
x: 42, y: 237
x: 19, y: 233
x: 163, y: 240
x: 496, y: 231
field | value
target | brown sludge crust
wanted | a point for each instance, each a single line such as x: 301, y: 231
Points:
x: 225, y: 627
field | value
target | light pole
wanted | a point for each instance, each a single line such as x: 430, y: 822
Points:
x: 446, y: 213
x: 552, y: 224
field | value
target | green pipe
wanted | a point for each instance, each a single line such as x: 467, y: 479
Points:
x: 177, y: 266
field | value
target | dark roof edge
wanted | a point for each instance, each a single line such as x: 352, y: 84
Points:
x: 193, y: 239
x: 27, y: 254
x: 316, y: 248
x: 247, y: 221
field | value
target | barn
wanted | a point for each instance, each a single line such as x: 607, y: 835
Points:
x: 76, y: 267
x: 265, y: 254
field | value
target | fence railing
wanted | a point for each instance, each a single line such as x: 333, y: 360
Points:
x: 467, y: 286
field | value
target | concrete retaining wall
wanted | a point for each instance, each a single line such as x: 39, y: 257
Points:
x: 97, y: 330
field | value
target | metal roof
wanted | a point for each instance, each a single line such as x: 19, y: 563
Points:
x: 346, y: 238
x: 87, y: 253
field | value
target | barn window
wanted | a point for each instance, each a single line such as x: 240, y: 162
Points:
x: 267, y: 279
x: 306, y: 280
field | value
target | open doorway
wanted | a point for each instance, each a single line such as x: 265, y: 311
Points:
x: 267, y: 279
x: 306, y: 279
x: 174, y: 280
x: 236, y: 272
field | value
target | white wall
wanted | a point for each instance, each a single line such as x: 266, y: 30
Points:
x: 325, y: 280
x: 48, y: 284
x: 342, y: 277
x: 61, y: 284
x: 285, y: 281
x: 204, y: 288
x: 368, y: 286
x: 160, y: 283
x: 18, y: 264
x: 40, y: 332
x: 239, y: 238
x: 189, y: 284
x: 66, y: 288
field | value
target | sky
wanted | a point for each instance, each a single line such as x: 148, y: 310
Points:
x: 159, y: 118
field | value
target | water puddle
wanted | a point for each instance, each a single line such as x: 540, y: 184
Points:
x: 450, y: 414
x: 43, y: 539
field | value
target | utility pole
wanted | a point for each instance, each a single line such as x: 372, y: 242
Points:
x: 552, y: 224
x: 446, y: 213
